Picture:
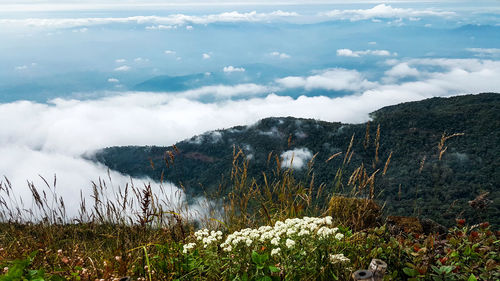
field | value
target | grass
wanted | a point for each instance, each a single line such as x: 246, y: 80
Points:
x: 280, y: 228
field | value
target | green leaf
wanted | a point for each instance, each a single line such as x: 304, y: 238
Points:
x: 447, y: 269
x: 472, y: 278
x: 437, y: 270
x: 273, y: 269
x: 255, y: 257
x: 410, y: 272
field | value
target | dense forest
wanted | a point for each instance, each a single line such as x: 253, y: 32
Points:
x: 428, y: 158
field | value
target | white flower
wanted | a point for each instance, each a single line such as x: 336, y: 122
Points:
x: 187, y: 247
x: 290, y: 243
x: 275, y: 251
x: 339, y: 236
x: 275, y: 241
x: 338, y: 258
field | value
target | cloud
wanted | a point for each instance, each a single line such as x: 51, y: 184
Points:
x: 280, y: 55
x: 484, y: 52
x: 25, y: 67
x: 337, y: 79
x: 123, y: 68
x: 160, y: 27
x: 170, y: 52
x: 81, y: 30
x: 295, y: 159
x: 385, y: 12
x: 113, y: 80
x: 157, y: 22
x: 189, y: 27
x: 224, y: 91
x: 402, y: 70
x: 230, y: 69
x: 141, y: 60
x: 357, y: 54
x: 120, y: 60
x: 205, y: 56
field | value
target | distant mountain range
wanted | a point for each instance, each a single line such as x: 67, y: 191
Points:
x: 422, y: 178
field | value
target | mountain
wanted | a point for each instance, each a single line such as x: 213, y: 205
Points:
x: 422, y: 178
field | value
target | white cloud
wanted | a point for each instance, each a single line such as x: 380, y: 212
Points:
x: 402, y: 70
x: 170, y: 52
x: 337, y: 79
x: 156, y: 21
x: 81, y: 30
x: 189, y: 27
x: 230, y: 69
x: 113, y: 80
x: 223, y: 91
x: 296, y: 158
x: 161, y: 27
x: 484, y: 52
x: 280, y: 55
x: 372, y: 43
x: 205, y: 56
x: 386, y: 12
x: 25, y: 67
x: 120, y: 60
x: 123, y: 68
x: 141, y: 60
x: 357, y: 54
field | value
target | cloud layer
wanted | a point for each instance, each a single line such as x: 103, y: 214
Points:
x: 166, y: 22
x: 383, y: 11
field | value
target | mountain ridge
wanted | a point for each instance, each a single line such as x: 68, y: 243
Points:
x: 419, y: 181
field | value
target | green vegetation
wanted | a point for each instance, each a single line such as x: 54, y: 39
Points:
x: 426, y: 178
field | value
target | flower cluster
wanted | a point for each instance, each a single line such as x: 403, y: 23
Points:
x: 188, y: 247
x: 338, y: 258
x: 208, y: 238
x: 286, y: 233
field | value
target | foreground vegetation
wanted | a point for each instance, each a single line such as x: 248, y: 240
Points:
x: 276, y: 230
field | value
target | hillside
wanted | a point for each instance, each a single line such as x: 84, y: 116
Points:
x: 417, y: 182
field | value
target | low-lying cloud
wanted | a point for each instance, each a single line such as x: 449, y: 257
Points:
x: 384, y: 11
x: 337, y: 79
x: 357, y: 54
x: 295, y: 159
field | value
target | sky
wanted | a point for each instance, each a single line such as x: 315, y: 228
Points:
x: 78, y: 76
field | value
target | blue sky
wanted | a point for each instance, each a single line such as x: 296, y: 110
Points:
x: 76, y: 76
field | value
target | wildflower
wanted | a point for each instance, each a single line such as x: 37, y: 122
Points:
x: 339, y: 236
x: 275, y: 252
x: 289, y: 243
x: 187, y: 247
x: 275, y: 241
x: 338, y: 258
x: 460, y: 222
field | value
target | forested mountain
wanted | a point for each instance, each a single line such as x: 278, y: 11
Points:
x: 423, y: 177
